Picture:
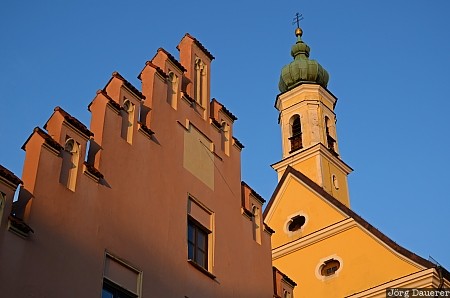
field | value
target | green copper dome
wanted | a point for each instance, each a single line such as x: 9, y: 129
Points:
x: 302, y: 70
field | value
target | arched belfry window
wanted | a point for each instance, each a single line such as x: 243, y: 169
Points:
x: 331, y: 142
x: 296, y: 133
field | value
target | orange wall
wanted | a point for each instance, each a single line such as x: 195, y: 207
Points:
x: 137, y: 213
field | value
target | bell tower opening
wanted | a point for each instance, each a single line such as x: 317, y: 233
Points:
x: 296, y: 133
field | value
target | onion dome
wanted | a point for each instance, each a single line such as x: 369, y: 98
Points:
x: 302, y: 69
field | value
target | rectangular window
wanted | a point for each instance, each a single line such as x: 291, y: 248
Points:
x: 200, y: 236
x: 197, y: 243
x: 120, y: 279
x: 111, y: 290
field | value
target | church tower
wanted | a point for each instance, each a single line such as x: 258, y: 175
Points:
x: 308, y: 123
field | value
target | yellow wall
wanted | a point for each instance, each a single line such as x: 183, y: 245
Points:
x: 341, y: 193
x: 294, y: 198
x: 365, y: 263
x: 310, y: 167
x: 365, y: 260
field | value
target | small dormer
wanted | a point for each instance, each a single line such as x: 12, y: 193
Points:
x: 73, y: 136
x: 129, y: 99
x: 8, y: 185
x: 224, y: 119
x: 197, y: 59
x: 252, y: 204
x: 283, y: 286
x: 173, y: 75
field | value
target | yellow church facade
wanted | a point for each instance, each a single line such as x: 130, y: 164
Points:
x: 319, y: 242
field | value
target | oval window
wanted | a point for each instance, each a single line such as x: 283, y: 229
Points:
x: 296, y: 223
x: 330, y: 267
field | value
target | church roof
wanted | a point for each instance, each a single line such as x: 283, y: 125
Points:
x: 302, y: 69
x: 361, y: 221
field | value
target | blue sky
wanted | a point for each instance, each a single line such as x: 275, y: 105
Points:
x: 388, y: 63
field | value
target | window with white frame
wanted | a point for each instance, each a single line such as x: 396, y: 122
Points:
x: 199, y: 235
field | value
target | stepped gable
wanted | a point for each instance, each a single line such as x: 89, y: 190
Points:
x: 158, y: 70
x: 172, y: 59
x: 200, y: 45
x: 238, y: 143
x: 73, y: 121
x: 246, y: 191
x: 47, y: 138
x: 223, y: 109
x: 110, y: 100
x: 127, y: 84
x: 253, y: 192
x: 285, y: 277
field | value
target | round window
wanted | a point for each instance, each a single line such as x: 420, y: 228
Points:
x: 296, y: 223
x: 329, y: 267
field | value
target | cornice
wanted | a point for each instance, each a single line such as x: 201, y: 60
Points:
x: 313, y: 238
x: 421, y: 279
x: 318, y: 149
x: 302, y: 89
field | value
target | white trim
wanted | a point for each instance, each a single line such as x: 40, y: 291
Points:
x: 280, y: 194
x: 323, y: 93
x: 318, y: 149
x: 421, y: 279
x: 313, y: 238
x: 332, y: 230
x: 126, y: 264
x: 211, y: 228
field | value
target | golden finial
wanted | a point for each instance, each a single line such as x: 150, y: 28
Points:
x: 298, y: 31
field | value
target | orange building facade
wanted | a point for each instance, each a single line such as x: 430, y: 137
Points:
x: 146, y: 202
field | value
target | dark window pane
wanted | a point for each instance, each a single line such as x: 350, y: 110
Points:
x: 201, y: 237
x: 197, y: 244
x: 296, y: 127
x: 201, y: 259
x: 112, y: 290
x: 107, y: 294
x: 191, y: 231
x: 191, y: 249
